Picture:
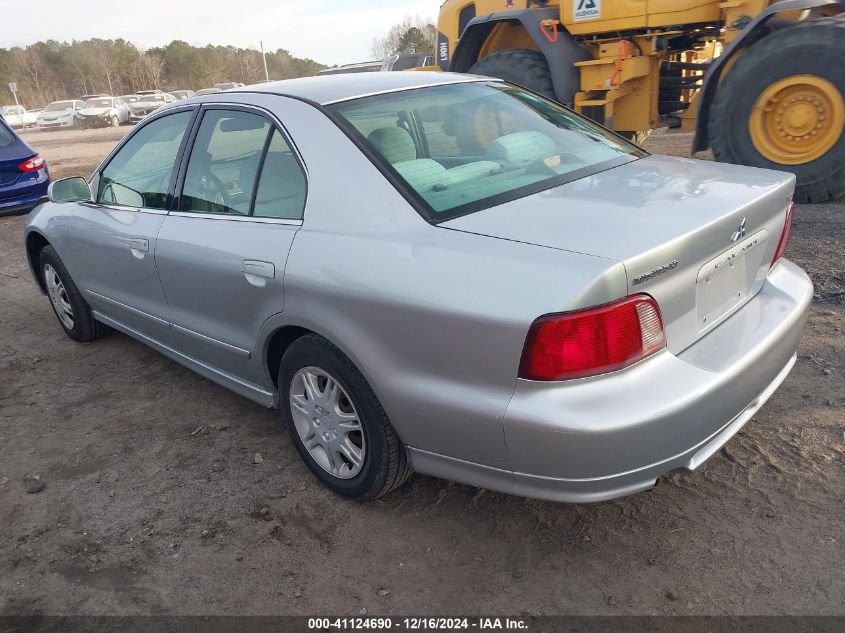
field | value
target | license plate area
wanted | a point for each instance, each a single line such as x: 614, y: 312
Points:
x: 728, y: 279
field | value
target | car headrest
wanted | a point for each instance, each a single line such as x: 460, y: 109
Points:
x: 393, y: 143
x: 424, y: 174
x: 520, y: 148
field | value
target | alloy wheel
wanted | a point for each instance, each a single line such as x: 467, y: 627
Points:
x: 327, y: 422
x: 58, y: 296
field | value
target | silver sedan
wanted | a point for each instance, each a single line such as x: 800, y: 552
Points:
x: 438, y: 273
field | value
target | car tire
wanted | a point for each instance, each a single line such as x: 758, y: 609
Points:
x: 318, y: 432
x: 72, y: 311
x: 522, y: 67
x: 115, y: 122
x: 812, y: 49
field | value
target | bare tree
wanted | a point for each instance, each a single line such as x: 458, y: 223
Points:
x: 103, y: 56
x: 412, y: 35
x: 148, y: 69
x: 246, y: 65
x: 33, y: 70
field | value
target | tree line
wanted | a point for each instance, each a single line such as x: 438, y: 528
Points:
x: 50, y: 71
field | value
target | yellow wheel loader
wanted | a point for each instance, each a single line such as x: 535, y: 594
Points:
x: 761, y: 83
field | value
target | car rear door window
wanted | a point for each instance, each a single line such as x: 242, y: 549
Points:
x: 225, y: 159
x: 139, y: 174
x: 282, y: 185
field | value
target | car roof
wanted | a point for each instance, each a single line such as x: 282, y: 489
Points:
x: 328, y: 89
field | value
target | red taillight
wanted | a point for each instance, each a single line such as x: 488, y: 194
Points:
x: 785, y: 234
x: 32, y: 164
x: 593, y: 341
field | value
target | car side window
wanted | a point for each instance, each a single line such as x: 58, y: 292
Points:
x: 282, y: 185
x: 139, y: 174
x: 225, y: 159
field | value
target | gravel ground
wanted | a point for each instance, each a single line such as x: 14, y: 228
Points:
x: 129, y: 485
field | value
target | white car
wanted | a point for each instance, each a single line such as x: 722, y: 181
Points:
x: 103, y: 112
x: 148, y: 102
x: 59, y: 114
x: 18, y: 116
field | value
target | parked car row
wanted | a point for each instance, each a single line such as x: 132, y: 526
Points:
x: 98, y: 110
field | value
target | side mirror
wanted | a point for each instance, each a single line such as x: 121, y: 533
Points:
x: 74, y: 189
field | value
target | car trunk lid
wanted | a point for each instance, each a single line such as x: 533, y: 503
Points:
x: 698, y: 236
x: 11, y: 156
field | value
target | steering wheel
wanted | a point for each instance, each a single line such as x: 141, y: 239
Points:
x: 214, y: 193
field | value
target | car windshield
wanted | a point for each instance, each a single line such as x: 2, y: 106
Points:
x: 131, y: 98
x: 98, y: 103
x: 464, y: 147
x: 59, y: 106
x: 153, y: 98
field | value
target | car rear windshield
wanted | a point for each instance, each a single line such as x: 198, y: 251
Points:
x: 460, y: 148
x: 6, y: 137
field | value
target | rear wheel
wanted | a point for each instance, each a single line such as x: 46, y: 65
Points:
x: 72, y: 311
x: 782, y: 106
x: 522, y: 67
x: 337, y: 423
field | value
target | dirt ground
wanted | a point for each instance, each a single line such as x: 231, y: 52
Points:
x: 149, y: 499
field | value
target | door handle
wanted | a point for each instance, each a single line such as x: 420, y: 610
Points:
x: 257, y: 268
x: 139, y: 244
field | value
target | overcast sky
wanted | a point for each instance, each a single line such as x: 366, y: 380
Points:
x: 328, y: 31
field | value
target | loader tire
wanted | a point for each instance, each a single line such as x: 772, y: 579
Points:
x: 522, y: 67
x: 782, y: 106
x: 637, y: 138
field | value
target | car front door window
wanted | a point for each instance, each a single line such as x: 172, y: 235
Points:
x: 139, y: 174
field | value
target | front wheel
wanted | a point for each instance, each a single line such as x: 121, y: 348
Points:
x: 337, y: 423
x: 71, y: 309
x: 115, y: 122
x: 782, y: 106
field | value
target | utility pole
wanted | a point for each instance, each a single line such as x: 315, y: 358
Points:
x: 264, y: 58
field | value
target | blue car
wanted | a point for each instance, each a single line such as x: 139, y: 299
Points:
x: 23, y: 173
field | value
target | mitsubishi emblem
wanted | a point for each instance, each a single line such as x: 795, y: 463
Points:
x: 740, y: 232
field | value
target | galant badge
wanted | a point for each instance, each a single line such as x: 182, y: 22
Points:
x: 740, y: 232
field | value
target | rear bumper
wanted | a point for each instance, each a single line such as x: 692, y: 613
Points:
x: 609, y: 436
x: 24, y: 194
